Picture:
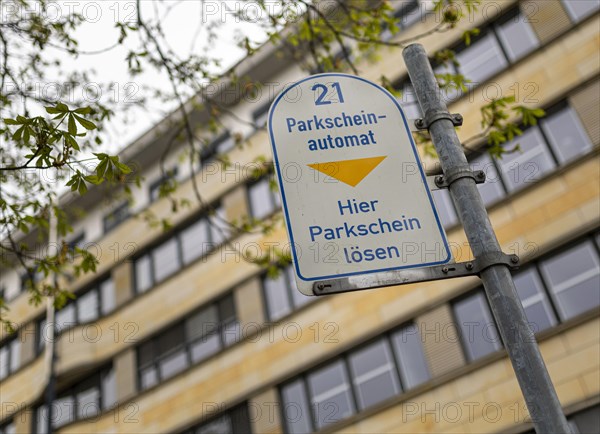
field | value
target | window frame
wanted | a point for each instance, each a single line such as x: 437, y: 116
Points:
x: 187, y: 341
x: 175, y: 236
x: 118, y: 214
x: 344, y: 359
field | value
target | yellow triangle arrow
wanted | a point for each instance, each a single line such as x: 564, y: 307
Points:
x: 350, y: 172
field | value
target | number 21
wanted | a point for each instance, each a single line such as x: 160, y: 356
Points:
x: 324, y: 90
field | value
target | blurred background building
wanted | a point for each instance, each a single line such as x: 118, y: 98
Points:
x: 176, y: 333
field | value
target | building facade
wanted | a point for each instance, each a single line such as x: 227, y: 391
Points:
x: 177, y: 333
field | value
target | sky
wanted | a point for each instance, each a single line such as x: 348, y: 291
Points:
x: 185, y: 26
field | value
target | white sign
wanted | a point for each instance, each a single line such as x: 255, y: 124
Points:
x: 354, y: 193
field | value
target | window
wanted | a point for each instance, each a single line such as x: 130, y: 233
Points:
x: 538, y: 310
x: 409, y: 353
x: 190, y: 341
x: 330, y: 394
x: 281, y: 294
x: 566, y: 135
x: 168, y: 179
x: 10, y: 357
x: 408, y: 101
x: 143, y: 273
x: 260, y: 114
x: 444, y: 207
x: 573, y: 277
x: 263, y: 199
x: 503, y: 42
x: 234, y: 421
x: 585, y: 421
x: 165, y: 259
x: 517, y: 36
x: 580, y: 9
x: 85, y: 399
x: 492, y: 189
x: 407, y: 13
x: 182, y: 248
x: 476, y: 325
x: 368, y: 375
x: 529, y: 163
x: 482, y: 59
x: 374, y: 374
x: 88, y: 305
x: 8, y: 428
x: 115, y: 217
x: 219, y: 146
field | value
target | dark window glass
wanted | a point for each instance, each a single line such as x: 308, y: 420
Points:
x: 587, y: 421
x: 87, y: 306
x: 10, y: 357
x: 566, y: 135
x: 79, y: 401
x: 143, y: 273
x: 527, y: 164
x: 115, y: 217
x: 8, y: 428
x: 234, y: 421
x: 263, y: 200
x: 491, y: 190
x: 517, y: 37
x: 330, y: 394
x: 260, y: 115
x: 65, y: 317
x: 221, y: 145
x: 4, y: 361
x: 477, y: 327
x: 281, y: 294
x: 535, y: 302
x: 482, y: 59
x: 373, y: 374
x: 202, y: 331
x: 197, y: 337
x: 296, y: 409
x: 444, y: 207
x: 167, y: 179
x: 580, y: 9
x: 219, y: 226
x: 409, y: 353
x: 107, y: 296
x: 165, y: 259
x: 408, y: 102
x: 277, y: 296
x: 574, y: 279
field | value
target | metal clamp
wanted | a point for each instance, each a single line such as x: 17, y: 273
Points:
x: 444, y: 181
x: 424, y: 124
x: 414, y: 275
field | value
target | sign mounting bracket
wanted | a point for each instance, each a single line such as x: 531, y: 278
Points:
x: 416, y: 275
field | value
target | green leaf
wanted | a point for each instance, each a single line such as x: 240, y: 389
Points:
x: 83, y: 110
x: 8, y: 121
x: 88, y: 125
x: 72, y: 126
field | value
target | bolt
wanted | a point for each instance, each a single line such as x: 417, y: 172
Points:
x: 458, y: 118
x: 419, y: 123
x: 481, y: 174
x: 320, y: 286
x: 445, y: 270
x: 439, y: 180
x: 469, y: 265
x: 514, y: 259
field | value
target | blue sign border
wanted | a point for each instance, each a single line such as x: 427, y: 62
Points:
x: 282, y: 190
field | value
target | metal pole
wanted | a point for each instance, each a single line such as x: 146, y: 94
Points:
x: 50, y: 323
x: 538, y: 390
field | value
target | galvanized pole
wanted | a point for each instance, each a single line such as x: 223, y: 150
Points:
x: 538, y: 390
